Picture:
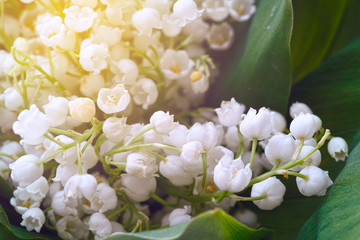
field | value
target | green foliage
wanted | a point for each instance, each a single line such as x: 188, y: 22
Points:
x: 262, y: 74
x: 214, y: 224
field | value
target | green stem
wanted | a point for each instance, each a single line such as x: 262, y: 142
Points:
x: 115, y: 214
x: 138, y: 135
x: 253, y: 150
x: 221, y: 197
x: 156, y: 155
x: 24, y: 87
x: 120, y: 165
x: 65, y: 132
x: 79, y: 159
x: 277, y: 164
x: 53, y: 140
x: 204, y: 163
x: 140, y: 146
x: 12, y: 157
x: 241, y: 148
x: 162, y: 201
x: 239, y: 198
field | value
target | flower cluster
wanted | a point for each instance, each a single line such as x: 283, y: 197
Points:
x: 85, y: 147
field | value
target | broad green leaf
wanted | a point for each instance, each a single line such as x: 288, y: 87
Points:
x: 214, y: 224
x: 339, y: 216
x: 261, y: 75
x: 332, y: 92
x: 6, y: 190
x: 348, y: 31
x: 315, y: 26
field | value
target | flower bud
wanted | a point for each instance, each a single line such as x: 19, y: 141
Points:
x: 280, y: 147
x: 303, y: 126
x: 145, y: 20
x: 79, y: 186
x: 13, y: 100
x: 258, y: 125
x: 273, y: 190
x: 297, y: 108
x: 82, y: 109
x: 100, y: 225
x: 317, y: 183
x: 191, y: 157
x: 338, y: 148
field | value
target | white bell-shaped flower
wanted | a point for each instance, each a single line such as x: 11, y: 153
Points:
x: 232, y: 175
x: 145, y: 92
x: 11, y: 148
x: 303, y: 126
x: 173, y: 170
x: 175, y: 64
x: 177, y: 136
x: 272, y: 189
x: 25, y: 170
x: 220, y: 36
x: 79, y: 186
x: 145, y: 20
x: 35, y: 191
x: 51, y: 31
x: 22, y: 205
x: 141, y: 165
x: 62, y: 207
x: 113, y: 100
x: 180, y: 215
x: 186, y: 11
x: 197, y: 29
x: 191, y: 155
x: 317, y: 183
x: 115, y: 129
x: 241, y: 10
x: 31, y: 125
x: 171, y: 25
x: 163, y: 122
x: 313, y: 159
x: 105, y: 198
x: 216, y: 10
x: 257, y: 125
x: 230, y: 112
x: 338, y: 148
x: 13, y: 100
x: 79, y: 19
x: 93, y: 56
x: 72, y: 227
x: 33, y: 219
x: 280, y: 147
x: 82, y: 109
x: 296, y: 108
x: 64, y: 172
x: 136, y: 188
x: 56, y: 110
x: 126, y: 71
x: 206, y: 133
x: 107, y: 34
x: 278, y: 120
x: 100, y: 225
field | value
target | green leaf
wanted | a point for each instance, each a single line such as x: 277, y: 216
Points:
x: 348, y: 31
x: 214, y: 224
x: 315, y: 26
x: 339, y: 216
x: 332, y: 92
x: 262, y: 74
